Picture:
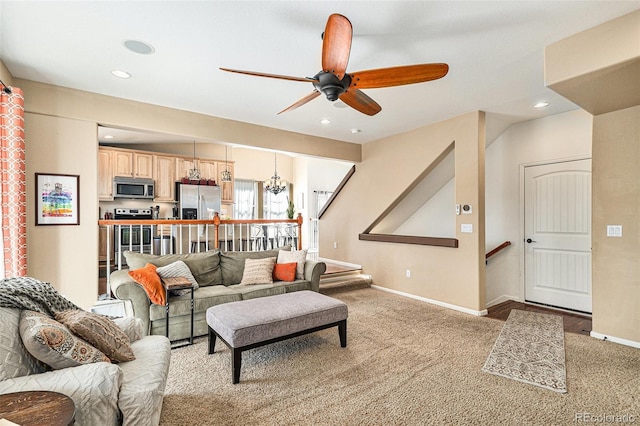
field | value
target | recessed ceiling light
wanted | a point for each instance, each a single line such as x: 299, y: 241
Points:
x: 354, y: 131
x: 542, y: 104
x: 121, y: 74
x: 108, y: 136
x: 325, y: 121
x: 138, y: 46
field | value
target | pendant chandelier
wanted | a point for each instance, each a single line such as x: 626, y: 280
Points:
x: 225, y: 175
x: 275, y: 185
x: 194, y: 173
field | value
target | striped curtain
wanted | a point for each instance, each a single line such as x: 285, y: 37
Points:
x: 13, y: 192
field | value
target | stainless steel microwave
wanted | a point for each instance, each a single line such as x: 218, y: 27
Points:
x: 133, y: 188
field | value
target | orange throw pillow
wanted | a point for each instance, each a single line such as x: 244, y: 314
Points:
x: 284, y: 271
x: 149, y: 279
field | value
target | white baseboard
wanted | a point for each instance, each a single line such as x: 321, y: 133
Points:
x: 339, y: 262
x: 501, y: 299
x: 434, y: 302
x: 615, y: 339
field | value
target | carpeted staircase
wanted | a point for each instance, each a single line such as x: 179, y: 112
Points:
x: 343, y: 279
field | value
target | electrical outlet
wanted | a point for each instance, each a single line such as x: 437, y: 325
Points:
x: 457, y: 209
x: 408, y: 273
x: 335, y: 245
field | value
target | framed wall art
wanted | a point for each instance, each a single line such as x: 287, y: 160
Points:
x: 57, y: 199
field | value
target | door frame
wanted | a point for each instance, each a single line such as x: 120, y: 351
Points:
x: 521, y: 224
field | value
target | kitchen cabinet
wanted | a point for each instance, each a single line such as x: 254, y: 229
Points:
x: 102, y: 245
x: 208, y: 169
x: 164, y: 173
x: 226, y: 188
x: 105, y: 175
x: 142, y: 165
x: 183, y: 165
x: 132, y: 164
x: 122, y: 163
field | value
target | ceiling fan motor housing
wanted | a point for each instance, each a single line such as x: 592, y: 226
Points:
x: 330, y: 85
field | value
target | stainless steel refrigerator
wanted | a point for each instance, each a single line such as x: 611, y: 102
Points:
x: 198, y: 201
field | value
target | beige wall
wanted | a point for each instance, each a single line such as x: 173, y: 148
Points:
x: 616, y: 201
x: 453, y: 276
x: 601, y: 68
x: 115, y: 112
x: 66, y: 256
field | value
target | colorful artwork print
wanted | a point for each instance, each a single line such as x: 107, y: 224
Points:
x: 57, y: 199
x: 57, y: 202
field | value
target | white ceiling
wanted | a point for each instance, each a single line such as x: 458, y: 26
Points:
x: 494, y: 50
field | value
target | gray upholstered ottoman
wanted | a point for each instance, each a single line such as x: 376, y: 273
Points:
x: 256, y: 322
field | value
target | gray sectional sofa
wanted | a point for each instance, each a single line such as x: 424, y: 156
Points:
x: 218, y: 275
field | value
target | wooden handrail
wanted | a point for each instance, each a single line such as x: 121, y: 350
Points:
x: 497, y: 249
x: 341, y: 185
x: 216, y: 222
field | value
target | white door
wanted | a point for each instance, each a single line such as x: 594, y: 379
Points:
x: 558, y: 234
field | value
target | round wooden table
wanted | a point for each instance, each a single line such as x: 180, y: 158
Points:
x: 37, y: 408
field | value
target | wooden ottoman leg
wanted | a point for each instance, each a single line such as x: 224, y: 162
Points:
x: 342, y: 331
x: 236, y: 363
x: 212, y: 341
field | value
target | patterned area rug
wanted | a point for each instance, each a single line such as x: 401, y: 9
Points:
x: 530, y: 349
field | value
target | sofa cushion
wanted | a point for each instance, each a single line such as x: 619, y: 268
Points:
x: 298, y: 256
x: 284, y: 271
x: 205, y: 267
x: 16, y: 361
x: 99, y: 331
x: 144, y: 381
x: 204, y: 297
x: 297, y: 285
x: 258, y: 271
x: 232, y: 263
x: 52, y: 343
x: 178, y: 269
x: 133, y: 327
x: 149, y: 279
x: 258, y: 290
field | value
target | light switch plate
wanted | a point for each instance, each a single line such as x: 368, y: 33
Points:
x: 466, y: 227
x: 614, y: 230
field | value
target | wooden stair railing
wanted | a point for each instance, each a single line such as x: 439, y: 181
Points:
x: 341, y: 185
x: 496, y: 250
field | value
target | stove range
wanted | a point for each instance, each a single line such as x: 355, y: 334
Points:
x: 132, y: 214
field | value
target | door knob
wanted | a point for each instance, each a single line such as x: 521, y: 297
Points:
x: 529, y: 240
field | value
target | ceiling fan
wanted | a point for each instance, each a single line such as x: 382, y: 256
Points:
x: 335, y: 83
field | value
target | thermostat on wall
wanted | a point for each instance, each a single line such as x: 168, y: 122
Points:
x: 466, y: 209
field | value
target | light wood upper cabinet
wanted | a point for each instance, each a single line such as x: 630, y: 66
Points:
x: 122, y: 163
x: 164, y: 173
x: 183, y: 165
x: 105, y: 175
x: 143, y: 165
x: 226, y: 187
x: 208, y: 169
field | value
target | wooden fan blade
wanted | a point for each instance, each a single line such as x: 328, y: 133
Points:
x: 311, y: 96
x: 397, y: 76
x: 358, y: 100
x: 262, y: 74
x: 336, y: 45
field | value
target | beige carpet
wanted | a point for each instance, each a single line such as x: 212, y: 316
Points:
x: 406, y: 363
x: 530, y: 349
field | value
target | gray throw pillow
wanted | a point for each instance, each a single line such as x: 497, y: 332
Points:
x: 232, y: 263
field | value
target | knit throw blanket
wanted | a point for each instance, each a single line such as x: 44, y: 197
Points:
x: 31, y: 294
